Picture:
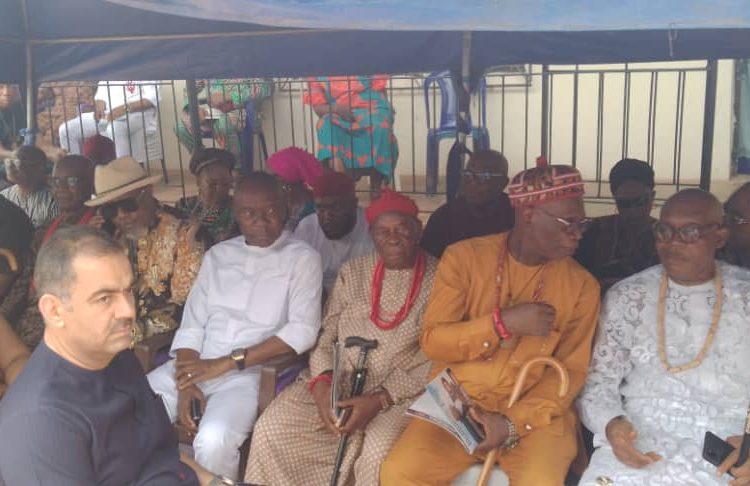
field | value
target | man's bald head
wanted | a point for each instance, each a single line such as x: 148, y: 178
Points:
x: 689, y: 232
x: 259, y: 181
x: 695, y: 203
x: 488, y: 161
x: 260, y: 208
x: 485, y: 178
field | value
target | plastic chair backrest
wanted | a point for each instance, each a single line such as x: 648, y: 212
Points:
x: 448, y: 100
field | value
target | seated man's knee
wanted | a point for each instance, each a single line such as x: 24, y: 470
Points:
x: 396, y: 468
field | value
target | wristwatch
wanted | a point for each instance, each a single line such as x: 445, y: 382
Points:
x: 238, y: 356
x: 221, y: 481
x: 513, y: 438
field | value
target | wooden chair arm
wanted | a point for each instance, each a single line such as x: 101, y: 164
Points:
x: 146, y: 350
x: 269, y: 375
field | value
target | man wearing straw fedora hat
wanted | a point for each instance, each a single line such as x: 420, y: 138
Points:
x: 163, y: 250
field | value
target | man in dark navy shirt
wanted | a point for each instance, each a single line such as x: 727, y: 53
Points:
x: 81, y: 412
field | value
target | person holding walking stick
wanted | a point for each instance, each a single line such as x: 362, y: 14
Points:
x: 499, y: 301
x: 380, y: 297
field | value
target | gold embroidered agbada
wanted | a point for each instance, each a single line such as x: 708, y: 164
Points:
x: 291, y: 446
x: 458, y: 332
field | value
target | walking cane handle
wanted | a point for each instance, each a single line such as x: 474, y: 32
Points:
x: 564, y: 377
x: 491, y: 459
x: 360, y: 342
x: 11, y: 258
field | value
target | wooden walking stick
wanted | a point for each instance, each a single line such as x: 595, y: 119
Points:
x: 491, y: 459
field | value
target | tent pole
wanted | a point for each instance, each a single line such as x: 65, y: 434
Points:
x: 466, y: 82
x: 192, y: 92
x: 709, y: 112
x: 545, y: 111
x: 29, y: 137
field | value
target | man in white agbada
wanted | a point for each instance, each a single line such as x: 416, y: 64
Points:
x: 671, y: 359
x: 126, y: 112
x: 257, y: 296
x: 338, y: 229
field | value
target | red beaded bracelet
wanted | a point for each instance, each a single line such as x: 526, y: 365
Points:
x: 321, y: 377
x: 502, y: 331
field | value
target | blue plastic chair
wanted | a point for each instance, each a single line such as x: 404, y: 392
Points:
x: 249, y: 131
x: 448, y: 125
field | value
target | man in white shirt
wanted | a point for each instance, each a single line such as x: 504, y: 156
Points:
x: 338, y: 229
x: 671, y: 359
x: 257, y: 296
x: 125, y: 111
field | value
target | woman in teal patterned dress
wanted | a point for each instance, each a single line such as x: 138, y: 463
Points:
x: 355, y: 125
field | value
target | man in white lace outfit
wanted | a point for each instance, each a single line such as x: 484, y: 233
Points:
x: 648, y: 412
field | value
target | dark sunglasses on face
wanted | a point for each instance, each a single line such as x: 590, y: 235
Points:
x: 64, y: 182
x: 633, y: 202
x: 472, y: 176
x: 129, y: 205
x: 688, y: 234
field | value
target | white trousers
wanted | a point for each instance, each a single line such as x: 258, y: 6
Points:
x: 231, y: 410
x: 136, y: 135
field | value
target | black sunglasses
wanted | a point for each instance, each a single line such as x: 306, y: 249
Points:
x: 129, y: 205
x: 470, y: 175
x: 633, y: 202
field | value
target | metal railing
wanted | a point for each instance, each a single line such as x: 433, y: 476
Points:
x: 590, y: 116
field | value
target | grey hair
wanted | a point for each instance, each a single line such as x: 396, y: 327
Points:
x: 53, y: 271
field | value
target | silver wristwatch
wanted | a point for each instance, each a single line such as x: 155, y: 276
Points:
x: 513, y: 438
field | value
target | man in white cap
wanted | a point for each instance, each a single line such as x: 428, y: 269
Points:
x: 163, y: 250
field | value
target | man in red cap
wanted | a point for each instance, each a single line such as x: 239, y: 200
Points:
x: 338, y: 229
x: 499, y: 301
x: 99, y: 149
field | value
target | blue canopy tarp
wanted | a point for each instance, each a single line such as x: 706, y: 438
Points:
x: 98, y: 39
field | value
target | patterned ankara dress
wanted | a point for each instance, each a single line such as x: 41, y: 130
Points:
x: 368, y: 141
x: 290, y: 443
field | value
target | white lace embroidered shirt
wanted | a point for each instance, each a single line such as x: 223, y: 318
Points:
x: 671, y: 412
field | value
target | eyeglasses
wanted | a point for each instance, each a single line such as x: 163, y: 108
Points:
x: 129, y: 205
x: 470, y: 175
x: 569, y: 226
x: 633, y: 202
x: 64, y: 182
x: 733, y: 218
x: 688, y: 234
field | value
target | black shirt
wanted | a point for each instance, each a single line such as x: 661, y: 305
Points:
x: 454, y: 221
x: 63, y: 425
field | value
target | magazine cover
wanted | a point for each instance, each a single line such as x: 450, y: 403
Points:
x: 446, y: 404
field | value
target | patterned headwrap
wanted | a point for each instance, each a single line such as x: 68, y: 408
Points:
x: 391, y: 201
x: 545, y: 183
